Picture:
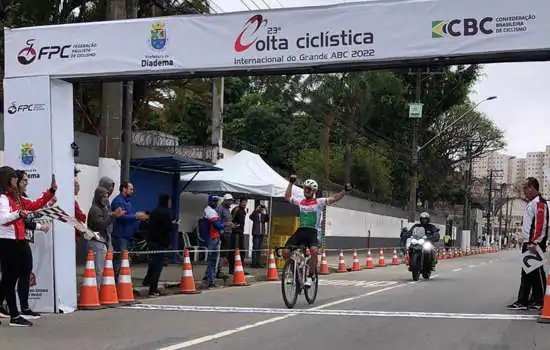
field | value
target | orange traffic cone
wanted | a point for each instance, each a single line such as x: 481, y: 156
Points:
x: 395, y: 259
x: 407, y: 258
x: 125, y: 289
x: 355, y: 265
x: 107, y: 294
x: 187, y: 282
x: 272, y: 274
x: 324, y: 265
x: 369, y: 262
x: 239, y: 279
x: 89, y: 296
x: 545, y: 314
x: 341, y: 263
x: 381, y: 259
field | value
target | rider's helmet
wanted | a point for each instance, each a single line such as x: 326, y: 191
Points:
x: 424, y: 218
x: 213, y: 201
x: 310, y: 188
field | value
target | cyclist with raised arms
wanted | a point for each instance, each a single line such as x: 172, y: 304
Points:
x: 311, y: 214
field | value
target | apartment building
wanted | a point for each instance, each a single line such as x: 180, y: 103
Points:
x: 514, y: 170
x: 494, y: 161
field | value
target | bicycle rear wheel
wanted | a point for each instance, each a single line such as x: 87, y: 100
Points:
x: 311, y: 292
x: 289, y: 285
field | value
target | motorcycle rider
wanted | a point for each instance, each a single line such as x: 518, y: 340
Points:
x: 432, y: 233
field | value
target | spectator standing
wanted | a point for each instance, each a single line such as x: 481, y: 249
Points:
x: 214, y: 227
x: 24, y: 283
x: 161, y: 226
x: 15, y: 253
x: 259, y: 218
x: 224, y: 214
x: 238, y: 215
x: 535, y: 234
x: 100, y: 217
x: 124, y: 226
x: 109, y: 184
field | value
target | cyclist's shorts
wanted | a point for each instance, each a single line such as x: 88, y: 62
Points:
x: 303, y: 236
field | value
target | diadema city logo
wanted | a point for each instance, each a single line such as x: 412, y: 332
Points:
x: 472, y: 26
x: 158, y: 39
x: 32, y: 52
x: 264, y: 42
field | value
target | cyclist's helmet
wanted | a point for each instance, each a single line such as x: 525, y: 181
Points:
x: 424, y: 218
x: 310, y: 188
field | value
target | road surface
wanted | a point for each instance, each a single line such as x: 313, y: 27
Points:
x: 462, y: 308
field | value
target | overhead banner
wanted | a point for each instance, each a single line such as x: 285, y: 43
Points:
x: 28, y: 146
x: 372, y: 32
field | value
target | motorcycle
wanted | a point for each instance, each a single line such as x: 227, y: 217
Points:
x: 420, y: 250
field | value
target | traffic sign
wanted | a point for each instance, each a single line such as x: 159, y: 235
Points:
x: 415, y: 110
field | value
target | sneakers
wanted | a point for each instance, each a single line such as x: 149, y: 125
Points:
x: 30, y: 315
x: 535, y: 306
x: 308, y: 282
x: 20, y: 321
x: 4, y: 313
x: 516, y: 306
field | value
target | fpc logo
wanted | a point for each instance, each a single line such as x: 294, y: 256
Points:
x: 249, y: 34
x: 462, y: 27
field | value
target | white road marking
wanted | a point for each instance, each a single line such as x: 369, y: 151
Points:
x: 352, y: 283
x: 472, y: 266
x: 458, y: 269
x: 325, y: 312
x: 289, y: 314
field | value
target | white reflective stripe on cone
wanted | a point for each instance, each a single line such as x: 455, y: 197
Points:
x: 187, y: 273
x: 90, y: 265
x: 89, y: 282
x: 108, y: 280
x: 125, y: 263
x: 124, y: 279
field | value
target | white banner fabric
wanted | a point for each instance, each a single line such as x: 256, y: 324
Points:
x: 28, y: 146
x: 370, y: 32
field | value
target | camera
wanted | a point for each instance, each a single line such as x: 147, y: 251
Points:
x: 76, y: 149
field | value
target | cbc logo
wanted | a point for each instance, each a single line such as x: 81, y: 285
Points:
x: 462, y: 27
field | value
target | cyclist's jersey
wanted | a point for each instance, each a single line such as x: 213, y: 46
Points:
x: 311, y: 212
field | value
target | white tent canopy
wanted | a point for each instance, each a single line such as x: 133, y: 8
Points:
x: 244, y: 173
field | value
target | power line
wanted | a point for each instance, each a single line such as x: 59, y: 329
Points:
x: 245, y: 5
x: 266, y: 4
x: 255, y: 4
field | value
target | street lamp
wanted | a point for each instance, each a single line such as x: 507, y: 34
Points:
x: 462, y: 116
x: 414, y: 177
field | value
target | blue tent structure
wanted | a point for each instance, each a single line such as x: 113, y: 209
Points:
x: 153, y: 176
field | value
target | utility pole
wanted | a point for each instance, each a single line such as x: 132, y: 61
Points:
x: 490, y: 201
x: 217, y: 117
x: 111, y: 100
x: 507, y: 218
x: 467, y: 180
x: 414, y: 150
x: 490, y: 204
x: 127, y: 111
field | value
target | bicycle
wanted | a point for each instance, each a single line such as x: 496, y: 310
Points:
x: 295, y: 272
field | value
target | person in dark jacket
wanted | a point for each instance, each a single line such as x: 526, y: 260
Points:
x: 161, y: 226
x: 100, y: 217
x: 238, y: 215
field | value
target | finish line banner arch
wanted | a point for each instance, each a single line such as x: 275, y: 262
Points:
x: 38, y: 123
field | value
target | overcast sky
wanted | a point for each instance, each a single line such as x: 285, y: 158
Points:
x: 523, y: 103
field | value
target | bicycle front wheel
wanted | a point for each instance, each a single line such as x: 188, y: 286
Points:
x: 289, y: 285
x: 311, y: 292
